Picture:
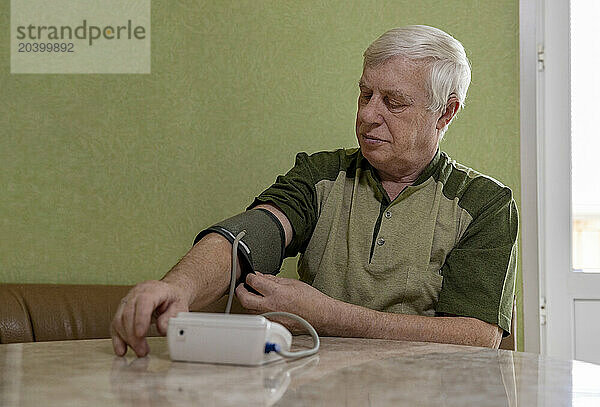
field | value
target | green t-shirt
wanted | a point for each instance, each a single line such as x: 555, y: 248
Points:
x: 444, y: 245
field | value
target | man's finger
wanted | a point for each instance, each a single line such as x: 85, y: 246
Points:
x: 117, y: 327
x: 269, y: 276
x: 144, y: 307
x: 261, y: 283
x: 143, y: 348
x: 119, y: 345
x: 127, y: 330
x: 139, y: 346
x: 247, y: 299
x: 128, y: 320
x: 162, y: 322
x: 121, y: 337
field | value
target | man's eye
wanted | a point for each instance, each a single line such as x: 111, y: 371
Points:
x: 366, y: 96
x: 395, y: 105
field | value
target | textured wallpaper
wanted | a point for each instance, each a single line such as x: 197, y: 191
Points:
x: 107, y: 178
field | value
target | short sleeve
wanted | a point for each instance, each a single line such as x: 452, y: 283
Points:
x: 294, y: 194
x: 479, y: 272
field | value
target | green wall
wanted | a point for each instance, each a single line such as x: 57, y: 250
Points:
x: 107, y: 178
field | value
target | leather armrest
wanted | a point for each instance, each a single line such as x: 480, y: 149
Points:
x: 58, y: 312
x: 50, y: 312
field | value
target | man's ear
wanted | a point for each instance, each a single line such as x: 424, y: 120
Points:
x: 452, y: 107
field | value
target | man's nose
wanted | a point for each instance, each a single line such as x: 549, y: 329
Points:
x: 370, y: 113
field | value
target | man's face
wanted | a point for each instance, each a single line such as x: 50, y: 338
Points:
x: 396, y: 132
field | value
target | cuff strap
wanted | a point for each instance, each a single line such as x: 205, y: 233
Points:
x: 262, y: 248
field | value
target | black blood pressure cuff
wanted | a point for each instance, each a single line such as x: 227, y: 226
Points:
x: 262, y: 247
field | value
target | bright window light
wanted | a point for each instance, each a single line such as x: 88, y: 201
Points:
x: 585, y: 135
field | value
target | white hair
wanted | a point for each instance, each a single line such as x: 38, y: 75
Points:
x: 450, y: 70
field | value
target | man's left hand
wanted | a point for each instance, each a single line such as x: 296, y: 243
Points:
x: 283, y: 294
x: 331, y: 317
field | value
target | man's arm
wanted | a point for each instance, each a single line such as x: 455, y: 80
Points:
x: 201, y: 277
x: 332, y: 317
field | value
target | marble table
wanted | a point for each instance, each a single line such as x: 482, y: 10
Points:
x: 346, y: 372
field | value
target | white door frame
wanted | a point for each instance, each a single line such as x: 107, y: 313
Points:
x: 554, y: 181
x: 545, y: 105
x: 530, y: 33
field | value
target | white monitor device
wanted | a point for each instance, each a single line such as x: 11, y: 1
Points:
x: 225, y: 338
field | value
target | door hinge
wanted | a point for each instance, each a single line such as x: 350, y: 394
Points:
x: 540, y: 57
x: 543, y: 314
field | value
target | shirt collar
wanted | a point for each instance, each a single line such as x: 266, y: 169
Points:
x: 429, y: 170
x: 375, y: 181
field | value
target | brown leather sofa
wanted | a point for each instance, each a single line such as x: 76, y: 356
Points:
x: 58, y: 312
x: 55, y: 312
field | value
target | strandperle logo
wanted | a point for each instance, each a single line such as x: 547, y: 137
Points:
x: 80, y: 36
x: 81, y: 32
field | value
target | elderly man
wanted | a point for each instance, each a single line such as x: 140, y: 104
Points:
x: 397, y: 240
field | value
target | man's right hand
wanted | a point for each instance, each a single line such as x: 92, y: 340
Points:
x: 202, y: 275
x: 132, y: 320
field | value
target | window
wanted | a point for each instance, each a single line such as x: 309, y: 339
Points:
x: 585, y: 135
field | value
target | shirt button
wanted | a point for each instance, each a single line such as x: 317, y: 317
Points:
x: 380, y: 241
x: 388, y: 214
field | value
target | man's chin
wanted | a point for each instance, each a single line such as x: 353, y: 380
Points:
x: 373, y: 156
